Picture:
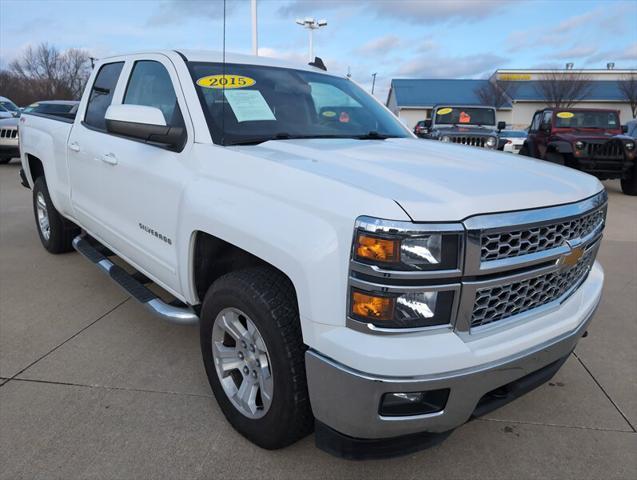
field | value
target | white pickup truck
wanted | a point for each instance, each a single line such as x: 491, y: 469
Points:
x: 345, y: 275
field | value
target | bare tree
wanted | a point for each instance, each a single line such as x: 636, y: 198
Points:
x: 628, y: 88
x: 47, y: 73
x: 564, y: 88
x: 496, y: 94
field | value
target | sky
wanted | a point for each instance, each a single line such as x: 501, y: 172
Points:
x: 393, y: 38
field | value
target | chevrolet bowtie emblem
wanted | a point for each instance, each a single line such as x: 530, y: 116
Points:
x: 571, y: 258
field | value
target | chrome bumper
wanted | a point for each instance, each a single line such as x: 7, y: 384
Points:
x: 348, y: 401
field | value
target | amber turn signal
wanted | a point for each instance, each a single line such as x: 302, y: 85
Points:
x: 371, y: 307
x: 377, y: 249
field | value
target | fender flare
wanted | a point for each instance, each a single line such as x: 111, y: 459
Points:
x: 560, y: 146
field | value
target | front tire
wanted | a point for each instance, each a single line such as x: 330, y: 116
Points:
x: 254, y: 356
x: 55, y: 232
x: 629, y: 185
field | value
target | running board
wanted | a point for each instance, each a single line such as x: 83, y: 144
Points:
x: 136, y: 289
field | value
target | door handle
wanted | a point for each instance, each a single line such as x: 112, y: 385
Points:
x: 75, y: 147
x: 109, y: 158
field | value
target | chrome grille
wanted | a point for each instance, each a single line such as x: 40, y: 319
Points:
x: 8, y: 133
x: 503, y: 301
x: 469, y: 140
x: 496, y: 246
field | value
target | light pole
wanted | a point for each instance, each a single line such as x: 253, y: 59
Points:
x: 311, y: 25
x: 255, y: 38
x: 373, y: 81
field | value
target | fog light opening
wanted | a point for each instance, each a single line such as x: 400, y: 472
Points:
x: 402, y: 404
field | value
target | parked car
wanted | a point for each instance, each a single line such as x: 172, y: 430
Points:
x: 8, y: 106
x: 345, y: 276
x: 421, y: 130
x: 590, y: 140
x: 466, y: 125
x: 8, y: 139
x: 631, y: 129
x: 64, y: 108
x: 4, y: 113
x: 512, y: 140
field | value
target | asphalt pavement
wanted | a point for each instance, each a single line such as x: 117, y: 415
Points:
x: 93, y: 386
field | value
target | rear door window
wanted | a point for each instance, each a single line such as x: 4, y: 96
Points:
x: 102, y: 94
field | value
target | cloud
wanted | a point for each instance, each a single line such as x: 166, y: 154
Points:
x: 291, y: 56
x: 630, y: 53
x: 437, y: 66
x: 411, y: 11
x: 575, y: 53
x: 379, y: 46
x: 578, y: 27
x: 171, y: 12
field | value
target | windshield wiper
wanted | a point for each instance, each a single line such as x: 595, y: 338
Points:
x: 278, y: 136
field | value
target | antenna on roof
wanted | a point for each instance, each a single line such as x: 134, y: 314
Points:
x: 318, y: 63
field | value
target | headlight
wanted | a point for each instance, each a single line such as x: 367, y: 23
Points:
x: 391, y: 271
x: 491, y: 142
x: 445, y: 138
x: 579, y: 144
x: 629, y: 145
x: 422, y: 251
x: 407, y: 310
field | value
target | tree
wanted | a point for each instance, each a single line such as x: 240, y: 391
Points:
x: 628, y: 88
x: 496, y: 94
x: 564, y: 88
x: 45, y: 73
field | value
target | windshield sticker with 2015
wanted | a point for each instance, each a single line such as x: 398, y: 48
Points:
x: 225, y: 81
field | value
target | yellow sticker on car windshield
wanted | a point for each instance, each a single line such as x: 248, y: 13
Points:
x: 328, y: 113
x: 444, y: 111
x: 225, y: 81
x: 565, y: 114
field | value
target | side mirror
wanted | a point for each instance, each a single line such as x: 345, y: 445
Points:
x: 624, y: 128
x: 428, y: 123
x: 501, y: 126
x: 143, y: 123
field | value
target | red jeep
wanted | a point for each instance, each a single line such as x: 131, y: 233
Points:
x: 590, y: 140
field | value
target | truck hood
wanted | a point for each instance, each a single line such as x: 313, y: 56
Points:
x: 431, y: 180
x: 587, y: 135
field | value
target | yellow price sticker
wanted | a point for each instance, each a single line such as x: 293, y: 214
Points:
x: 225, y: 81
x: 329, y: 113
x: 444, y: 111
x: 565, y: 115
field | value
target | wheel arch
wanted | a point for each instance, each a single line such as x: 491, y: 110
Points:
x: 212, y: 257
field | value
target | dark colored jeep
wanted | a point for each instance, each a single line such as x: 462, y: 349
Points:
x: 590, y: 140
x: 474, y: 126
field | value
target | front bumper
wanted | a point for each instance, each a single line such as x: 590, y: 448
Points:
x: 348, y: 401
x: 9, y: 151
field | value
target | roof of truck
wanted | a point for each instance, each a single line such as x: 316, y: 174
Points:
x: 230, y: 57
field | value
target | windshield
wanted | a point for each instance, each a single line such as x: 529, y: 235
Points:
x: 51, y: 108
x: 464, y: 116
x: 253, y: 104
x: 584, y: 119
x: 9, y: 106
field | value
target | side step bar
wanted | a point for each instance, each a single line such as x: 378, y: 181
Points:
x: 136, y: 289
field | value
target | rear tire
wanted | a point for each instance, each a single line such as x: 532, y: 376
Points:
x: 55, y: 232
x: 629, y: 185
x: 258, y: 306
x: 524, y: 151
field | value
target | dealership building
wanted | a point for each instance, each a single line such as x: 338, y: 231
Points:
x: 412, y: 100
